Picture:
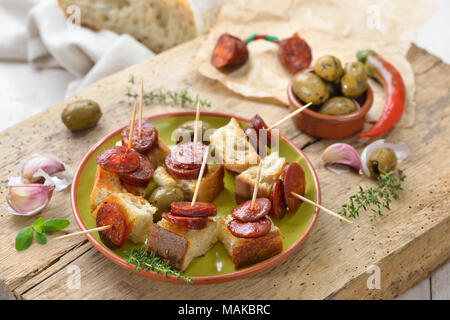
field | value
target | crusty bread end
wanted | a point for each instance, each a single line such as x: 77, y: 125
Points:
x: 249, y: 251
x: 179, y: 245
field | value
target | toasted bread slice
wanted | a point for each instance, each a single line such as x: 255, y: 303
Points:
x: 271, y: 168
x: 138, y: 213
x: 179, y: 245
x: 247, y: 251
x: 232, y: 147
x: 158, y: 154
x: 210, y: 186
x: 105, y: 183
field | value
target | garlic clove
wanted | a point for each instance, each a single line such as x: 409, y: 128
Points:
x: 47, y: 163
x: 400, y: 149
x: 28, y: 199
x: 341, y: 157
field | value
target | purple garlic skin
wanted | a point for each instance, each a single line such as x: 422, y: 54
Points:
x: 29, y: 199
x: 341, y: 157
x: 47, y: 163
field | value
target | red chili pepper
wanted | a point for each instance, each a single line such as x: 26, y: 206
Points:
x: 394, y: 88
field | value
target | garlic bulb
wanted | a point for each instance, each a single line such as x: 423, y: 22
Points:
x: 28, y: 199
x: 47, y: 169
x: 48, y: 163
x: 340, y: 157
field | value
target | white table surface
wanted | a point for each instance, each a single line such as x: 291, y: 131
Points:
x: 25, y: 91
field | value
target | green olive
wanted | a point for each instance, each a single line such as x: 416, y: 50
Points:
x: 81, y: 114
x: 310, y: 88
x: 329, y: 68
x: 338, y: 106
x: 185, y: 132
x: 162, y: 197
x: 381, y: 160
x: 354, y: 80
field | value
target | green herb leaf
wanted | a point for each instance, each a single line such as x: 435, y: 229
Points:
x: 24, y: 238
x: 55, y: 224
x: 380, y: 197
x: 38, y: 223
x: 144, y: 261
x: 40, y: 236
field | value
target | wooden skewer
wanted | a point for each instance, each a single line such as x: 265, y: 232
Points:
x: 197, y: 117
x: 70, y: 235
x: 133, y: 117
x: 200, y: 176
x: 289, y: 116
x: 321, y: 207
x: 140, y: 107
x: 255, y: 190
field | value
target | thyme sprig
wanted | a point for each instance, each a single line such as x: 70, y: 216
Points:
x: 375, y: 198
x: 168, y: 97
x: 150, y: 262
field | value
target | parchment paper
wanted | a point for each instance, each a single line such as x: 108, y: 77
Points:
x: 336, y: 27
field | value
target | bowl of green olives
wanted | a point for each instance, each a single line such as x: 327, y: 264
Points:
x: 340, y: 97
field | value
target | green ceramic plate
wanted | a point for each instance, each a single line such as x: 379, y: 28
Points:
x: 215, y: 266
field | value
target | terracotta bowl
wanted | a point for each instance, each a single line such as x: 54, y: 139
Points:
x: 328, y: 126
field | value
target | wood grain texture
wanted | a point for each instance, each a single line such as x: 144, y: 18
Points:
x: 407, y: 243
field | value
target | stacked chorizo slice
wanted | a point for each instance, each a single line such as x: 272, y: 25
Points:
x: 292, y: 179
x: 182, y: 163
x: 189, y: 216
x: 133, y: 167
x: 248, y: 222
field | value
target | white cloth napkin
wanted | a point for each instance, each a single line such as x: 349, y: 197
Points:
x: 37, y: 32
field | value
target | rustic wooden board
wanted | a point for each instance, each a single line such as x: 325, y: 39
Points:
x: 408, y: 243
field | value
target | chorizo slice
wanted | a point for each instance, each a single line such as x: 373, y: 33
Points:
x: 199, y: 209
x: 195, y: 223
x: 255, y: 229
x: 276, y: 197
x: 229, y: 51
x: 294, y: 53
x: 109, y: 214
x: 293, y: 180
x: 142, y: 176
x: 183, y: 155
x: 255, y: 141
x: 244, y: 213
x: 118, y: 159
x: 179, y: 172
x: 144, y: 143
x: 261, y: 127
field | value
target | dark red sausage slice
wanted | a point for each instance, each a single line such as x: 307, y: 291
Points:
x: 142, y: 176
x: 243, y: 212
x: 229, y: 51
x: 199, y: 209
x: 186, y: 222
x: 118, y: 160
x: 294, y: 54
x: 179, y: 172
x: 109, y: 214
x: 146, y: 142
x: 276, y: 197
x: 260, y: 126
x: 249, y: 229
x: 293, y: 179
x: 255, y: 141
x: 183, y: 155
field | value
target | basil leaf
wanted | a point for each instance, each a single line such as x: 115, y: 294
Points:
x: 24, y: 238
x: 38, y: 223
x: 54, y: 224
x: 40, y: 236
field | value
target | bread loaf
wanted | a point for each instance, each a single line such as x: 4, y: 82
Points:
x: 158, y: 24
